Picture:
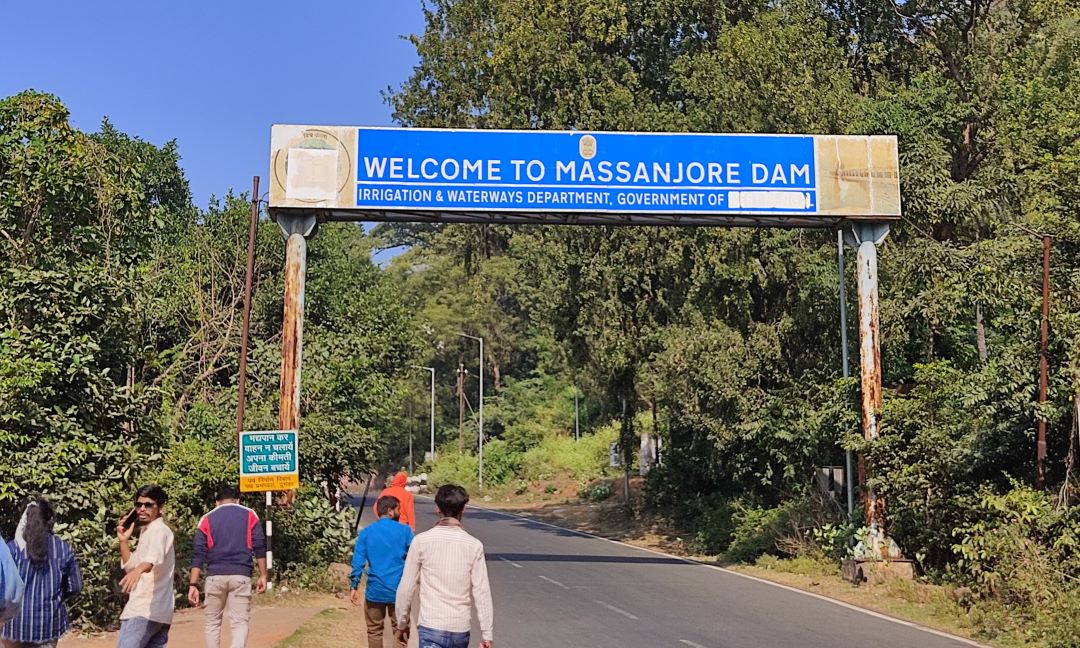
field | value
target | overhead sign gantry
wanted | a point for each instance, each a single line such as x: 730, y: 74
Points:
x: 354, y: 173
x: 346, y: 173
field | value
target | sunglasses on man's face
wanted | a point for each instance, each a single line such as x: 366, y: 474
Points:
x: 146, y: 505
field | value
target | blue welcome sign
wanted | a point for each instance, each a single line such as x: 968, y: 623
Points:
x: 415, y: 171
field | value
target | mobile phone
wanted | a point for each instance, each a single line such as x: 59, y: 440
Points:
x: 131, y: 517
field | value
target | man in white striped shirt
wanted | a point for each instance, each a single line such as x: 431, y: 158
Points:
x: 449, y: 566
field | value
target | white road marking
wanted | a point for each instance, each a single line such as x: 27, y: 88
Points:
x: 510, y: 561
x: 690, y: 643
x: 796, y: 590
x: 554, y: 582
x: 615, y: 609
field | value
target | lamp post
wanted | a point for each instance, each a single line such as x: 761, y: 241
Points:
x: 577, y: 425
x: 432, y: 370
x: 849, y: 472
x: 480, y: 440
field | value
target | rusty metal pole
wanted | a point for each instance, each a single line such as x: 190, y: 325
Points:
x: 292, y: 332
x: 296, y: 229
x: 1040, y: 444
x: 241, y: 382
x: 868, y: 236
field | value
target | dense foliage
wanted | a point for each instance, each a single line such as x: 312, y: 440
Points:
x: 120, y: 301
x: 121, y: 307
x: 731, y: 336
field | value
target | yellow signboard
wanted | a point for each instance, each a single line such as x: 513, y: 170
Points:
x: 269, y: 483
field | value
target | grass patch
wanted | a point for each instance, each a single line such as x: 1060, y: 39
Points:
x: 331, y: 628
x: 802, y: 565
x: 925, y: 604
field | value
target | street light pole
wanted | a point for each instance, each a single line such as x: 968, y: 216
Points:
x: 432, y: 370
x: 849, y: 473
x: 480, y: 440
x: 577, y: 426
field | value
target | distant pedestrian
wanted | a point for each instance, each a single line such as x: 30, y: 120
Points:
x: 11, y: 584
x: 449, y: 567
x: 397, y: 489
x: 382, y: 546
x: 147, y: 617
x: 50, y: 572
x: 225, y: 541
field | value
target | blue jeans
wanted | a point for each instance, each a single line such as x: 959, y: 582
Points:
x: 141, y: 632
x: 442, y: 639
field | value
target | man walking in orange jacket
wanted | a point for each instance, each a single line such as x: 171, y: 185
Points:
x: 397, y: 489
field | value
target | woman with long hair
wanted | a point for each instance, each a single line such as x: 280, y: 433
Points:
x: 51, y: 573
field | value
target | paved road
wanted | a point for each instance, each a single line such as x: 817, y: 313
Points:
x: 554, y: 588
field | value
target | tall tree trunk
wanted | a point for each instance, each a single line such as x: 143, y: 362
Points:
x: 1068, y: 488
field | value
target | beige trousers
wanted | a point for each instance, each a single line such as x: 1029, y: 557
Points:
x: 375, y: 615
x: 230, y: 594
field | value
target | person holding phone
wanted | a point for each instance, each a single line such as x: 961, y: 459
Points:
x: 148, y: 580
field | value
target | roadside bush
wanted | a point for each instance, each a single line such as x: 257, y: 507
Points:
x: 311, y: 534
x: 94, y: 540
x: 586, y: 459
x: 1024, y: 554
x: 710, y: 520
x: 453, y: 467
x: 597, y: 492
x: 501, y: 462
x: 1022, y: 550
x: 756, y: 530
x: 785, y: 530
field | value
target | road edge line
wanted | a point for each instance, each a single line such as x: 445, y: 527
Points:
x: 822, y: 597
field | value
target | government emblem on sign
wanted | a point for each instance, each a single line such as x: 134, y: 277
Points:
x: 587, y: 147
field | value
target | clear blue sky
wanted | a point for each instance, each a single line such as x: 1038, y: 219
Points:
x: 212, y: 74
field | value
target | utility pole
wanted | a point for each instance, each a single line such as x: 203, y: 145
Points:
x: 432, y: 370
x: 480, y: 436
x: 461, y: 407
x: 849, y: 474
x: 1040, y: 444
x: 577, y: 425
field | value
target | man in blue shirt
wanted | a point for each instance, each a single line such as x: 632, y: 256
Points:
x: 382, y: 546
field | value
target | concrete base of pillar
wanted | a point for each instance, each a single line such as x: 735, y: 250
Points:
x: 875, y: 572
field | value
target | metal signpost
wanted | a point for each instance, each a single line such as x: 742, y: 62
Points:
x: 351, y: 173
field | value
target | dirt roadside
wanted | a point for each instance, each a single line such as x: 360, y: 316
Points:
x: 273, y: 619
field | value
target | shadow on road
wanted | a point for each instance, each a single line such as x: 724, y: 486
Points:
x: 532, y: 525
x: 643, y: 560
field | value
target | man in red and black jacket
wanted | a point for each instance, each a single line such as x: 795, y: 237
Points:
x: 226, y: 540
